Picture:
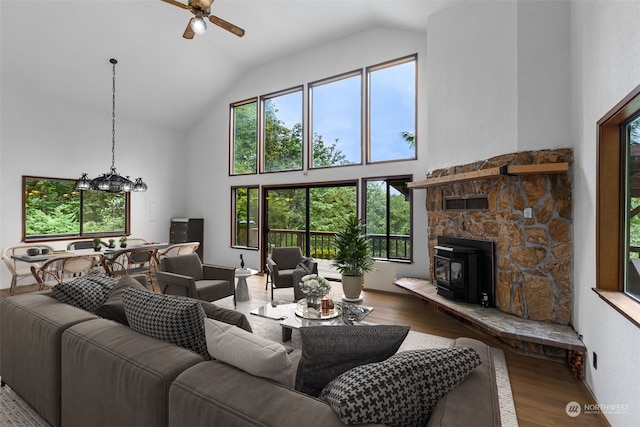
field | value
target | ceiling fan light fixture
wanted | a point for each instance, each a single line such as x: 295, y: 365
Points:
x: 198, y: 25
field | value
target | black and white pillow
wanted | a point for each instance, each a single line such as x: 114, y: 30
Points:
x: 177, y: 320
x: 328, y: 351
x: 402, y: 390
x: 86, y: 292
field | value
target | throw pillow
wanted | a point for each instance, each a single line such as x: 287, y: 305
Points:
x: 113, y: 307
x: 328, y: 351
x: 86, y: 292
x: 226, y: 315
x: 177, y: 320
x: 251, y: 353
x: 402, y: 390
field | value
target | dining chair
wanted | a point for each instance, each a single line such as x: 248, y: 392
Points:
x: 136, y: 241
x: 57, y: 269
x: 20, y: 270
x: 134, y: 261
x: 82, y: 244
x: 178, y: 249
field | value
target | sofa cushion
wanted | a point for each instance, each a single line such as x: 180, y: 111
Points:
x: 251, y: 353
x: 177, y: 320
x: 113, y: 307
x: 328, y: 351
x: 402, y: 390
x: 86, y: 292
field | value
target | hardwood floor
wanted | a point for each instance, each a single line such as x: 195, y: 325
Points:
x: 541, y: 388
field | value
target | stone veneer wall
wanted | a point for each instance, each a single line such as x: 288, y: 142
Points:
x: 533, y: 256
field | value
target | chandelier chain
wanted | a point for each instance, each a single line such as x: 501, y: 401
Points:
x: 113, y: 120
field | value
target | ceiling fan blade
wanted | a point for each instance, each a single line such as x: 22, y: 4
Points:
x: 226, y: 25
x: 176, y: 3
x: 188, y: 32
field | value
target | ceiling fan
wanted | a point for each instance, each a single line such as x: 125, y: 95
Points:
x: 201, y: 10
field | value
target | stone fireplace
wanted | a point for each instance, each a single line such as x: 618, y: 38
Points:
x: 528, y: 216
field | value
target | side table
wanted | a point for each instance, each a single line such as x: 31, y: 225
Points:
x: 242, y: 290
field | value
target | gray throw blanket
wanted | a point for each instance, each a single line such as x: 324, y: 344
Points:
x: 301, y: 270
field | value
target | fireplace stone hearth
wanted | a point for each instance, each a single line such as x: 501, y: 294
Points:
x: 534, y: 254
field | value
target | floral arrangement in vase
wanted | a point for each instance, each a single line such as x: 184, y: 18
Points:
x: 315, y: 287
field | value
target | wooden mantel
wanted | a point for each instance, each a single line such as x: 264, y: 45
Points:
x: 541, y: 168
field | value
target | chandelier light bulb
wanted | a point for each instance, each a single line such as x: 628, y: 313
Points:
x: 198, y: 25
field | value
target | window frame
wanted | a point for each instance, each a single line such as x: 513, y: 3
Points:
x: 262, y: 128
x: 232, y: 136
x: 81, y: 234
x: 367, y: 113
x: 355, y: 73
x: 611, y: 207
x: 234, y: 214
x: 387, y: 178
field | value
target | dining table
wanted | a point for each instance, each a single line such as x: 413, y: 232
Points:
x: 108, y: 253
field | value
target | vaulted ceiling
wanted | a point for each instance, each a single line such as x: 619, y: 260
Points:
x: 61, y: 49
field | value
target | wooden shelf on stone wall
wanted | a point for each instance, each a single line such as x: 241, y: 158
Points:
x: 542, y: 168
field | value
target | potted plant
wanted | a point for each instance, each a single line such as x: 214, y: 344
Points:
x: 112, y: 243
x: 97, y: 244
x: 353, y: 257
x: 123, y: 242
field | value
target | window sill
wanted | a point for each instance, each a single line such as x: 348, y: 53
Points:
x: 622, y: 303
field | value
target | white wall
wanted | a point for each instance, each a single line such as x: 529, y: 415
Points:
x: 606, y: 67
x: 498, y: 80
x: 211, y: 138
x: 45, y: 137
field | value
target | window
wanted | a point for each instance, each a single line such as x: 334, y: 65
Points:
x: 392, y: 110
x: 617, y: 204
x: 246, y: 214
x: 282, y: 131
x: 632, y: 217
x: 54, y: 209
x: 244, y: 138
x: 336, y: 121
x: 388, y: 217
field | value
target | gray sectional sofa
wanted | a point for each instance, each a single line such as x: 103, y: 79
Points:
x: 77, y: 369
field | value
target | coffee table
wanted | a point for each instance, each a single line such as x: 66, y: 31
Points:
x: 289, y: 320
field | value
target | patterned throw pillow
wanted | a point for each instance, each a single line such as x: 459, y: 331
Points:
x: 86, y: 292
x: 328, y: 351
x: 402, y: 390
x: 177, y: 320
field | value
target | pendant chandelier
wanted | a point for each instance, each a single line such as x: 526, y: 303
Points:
x: 111, y: 181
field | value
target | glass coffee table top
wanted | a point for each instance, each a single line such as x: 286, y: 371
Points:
x: 289, y: 320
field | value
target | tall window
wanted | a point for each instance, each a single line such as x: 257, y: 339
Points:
x: 53, y: 208
x: 392, y: 110
x: 244, y: 138
x: 247, y: 217
x: 282, y: 131
x: 336, y: 121
x: 617, y: 203
x: 388, y: 217
x: 632, y: 220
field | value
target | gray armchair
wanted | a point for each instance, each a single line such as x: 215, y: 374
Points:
x: 281, y: 268
x: 185, y: 275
